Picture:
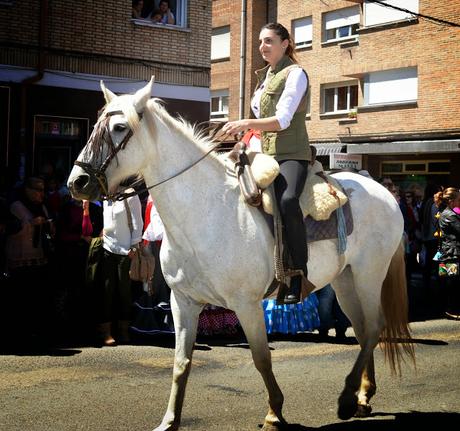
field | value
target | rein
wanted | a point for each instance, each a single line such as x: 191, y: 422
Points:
x: 99, y: 173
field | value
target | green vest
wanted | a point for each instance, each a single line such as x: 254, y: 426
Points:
x: 290, y: 143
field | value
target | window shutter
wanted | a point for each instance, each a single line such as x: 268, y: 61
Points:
x: 391, y: 86
x: 220, y: 43
x: 375, y: 13
x: 342, y: 17
x: 303, y: 30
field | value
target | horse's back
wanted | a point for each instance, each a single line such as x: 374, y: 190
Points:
x: 377, y: 219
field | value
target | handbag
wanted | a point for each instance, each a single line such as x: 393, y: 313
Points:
x: 448, y: 269
x: 142, y: 265
x: 142, y: 262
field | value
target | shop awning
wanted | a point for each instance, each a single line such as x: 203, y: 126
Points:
x: 404, y: 147
x: 326, y: 148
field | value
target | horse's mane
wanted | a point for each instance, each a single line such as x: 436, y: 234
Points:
x: 155, y: 107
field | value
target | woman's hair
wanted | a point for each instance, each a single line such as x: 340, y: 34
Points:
x: 442, y: 198
x: 282, y: 32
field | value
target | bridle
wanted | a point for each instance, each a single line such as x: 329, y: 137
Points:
x: 102, y: 131
x: 99, y: 173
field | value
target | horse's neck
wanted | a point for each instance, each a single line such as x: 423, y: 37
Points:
x: 186, y: 199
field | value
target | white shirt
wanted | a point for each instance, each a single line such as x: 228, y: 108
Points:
x: 294, y: 90
x: 118, y: 238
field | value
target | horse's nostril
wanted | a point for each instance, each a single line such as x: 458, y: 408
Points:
x: 81, y: 182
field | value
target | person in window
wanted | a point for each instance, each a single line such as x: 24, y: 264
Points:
x: 167, y: 16
x: 280, y: 105
x: 137, y: 6
x: 157, y: 16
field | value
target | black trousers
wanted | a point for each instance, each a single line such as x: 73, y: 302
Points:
x: 289, y: 185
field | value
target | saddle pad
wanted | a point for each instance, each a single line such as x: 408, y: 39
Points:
x: 316, y: 199
x: 318, y: 230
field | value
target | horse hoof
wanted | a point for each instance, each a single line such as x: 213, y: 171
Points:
x: 167, y: 428
x: 274, y: 427
x: 363, y: 411
x: 347, y: 408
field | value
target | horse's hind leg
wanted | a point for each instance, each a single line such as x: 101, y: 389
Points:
x: 185, y: 313
x: 360, y: 299
x: 367, y: 389
x: 251, y: 318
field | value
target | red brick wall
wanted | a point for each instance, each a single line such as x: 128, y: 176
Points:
x: 434, y: 49
x: 106, y: 28
x: 226, y: 74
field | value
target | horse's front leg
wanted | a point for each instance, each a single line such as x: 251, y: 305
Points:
x: 251, y: 317
x: 185, y: 313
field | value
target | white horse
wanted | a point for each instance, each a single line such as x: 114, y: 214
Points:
x: 218, y: 250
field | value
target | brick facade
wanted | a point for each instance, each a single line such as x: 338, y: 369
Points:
x: 433, y: 49
x: 101, y: 38
x: 53, y: 54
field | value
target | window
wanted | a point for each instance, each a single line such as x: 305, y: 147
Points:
x: 416, y: 167
x: 57, y: 141
x: 375, y: 13
x: 341, y: 24
x: 219, y: 104
x: 147, y: 16
x: 220, y: 43
x: 302, y: 29
x: 391, y: 86
x: 340, y: 98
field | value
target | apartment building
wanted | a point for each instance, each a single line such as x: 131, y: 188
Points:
x: 53, y: 55
x: 384, y: 81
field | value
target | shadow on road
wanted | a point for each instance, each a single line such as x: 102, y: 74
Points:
x: 400, y: 422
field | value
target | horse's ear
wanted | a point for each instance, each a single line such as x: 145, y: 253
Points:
x: 108, y: 95
x: 143, y: 95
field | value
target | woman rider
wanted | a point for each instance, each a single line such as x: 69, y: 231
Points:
x: 279, y: 105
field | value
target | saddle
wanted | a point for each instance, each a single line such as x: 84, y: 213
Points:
x: 321, y: 195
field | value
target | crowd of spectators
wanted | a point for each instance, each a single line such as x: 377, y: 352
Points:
x: 45, y: 236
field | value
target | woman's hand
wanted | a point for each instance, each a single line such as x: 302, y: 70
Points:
x: 235, y: 127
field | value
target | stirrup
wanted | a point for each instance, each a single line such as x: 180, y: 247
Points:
x: 306, y: 288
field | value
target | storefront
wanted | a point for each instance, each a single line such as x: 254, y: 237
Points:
x: 412, y: 162
x: 44, y: 126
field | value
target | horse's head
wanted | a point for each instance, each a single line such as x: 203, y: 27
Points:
x: 114, y: 150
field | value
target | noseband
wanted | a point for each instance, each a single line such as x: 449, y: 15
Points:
x: 102, y: 132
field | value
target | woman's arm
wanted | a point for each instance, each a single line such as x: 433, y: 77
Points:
x: 295, y: 89
x: 269, y: 124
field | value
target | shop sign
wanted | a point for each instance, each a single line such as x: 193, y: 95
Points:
x: 345, y: 161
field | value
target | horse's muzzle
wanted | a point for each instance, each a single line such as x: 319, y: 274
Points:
x: 84, y: 187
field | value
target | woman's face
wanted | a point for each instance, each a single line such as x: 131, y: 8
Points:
x: 271, y: 46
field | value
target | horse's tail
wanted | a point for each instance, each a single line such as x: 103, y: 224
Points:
x: 396, y: 339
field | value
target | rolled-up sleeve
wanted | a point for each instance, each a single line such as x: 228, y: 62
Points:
x: 294, y: 91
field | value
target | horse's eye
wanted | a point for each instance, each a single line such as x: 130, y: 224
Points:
x: 119, y: 128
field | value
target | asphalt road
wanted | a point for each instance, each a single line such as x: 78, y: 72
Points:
x: 127, y: 387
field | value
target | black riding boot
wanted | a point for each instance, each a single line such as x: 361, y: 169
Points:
x: 295, y: 289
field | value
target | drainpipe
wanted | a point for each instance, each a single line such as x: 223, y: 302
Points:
x: 242, y: 57
x: 43, y: 32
